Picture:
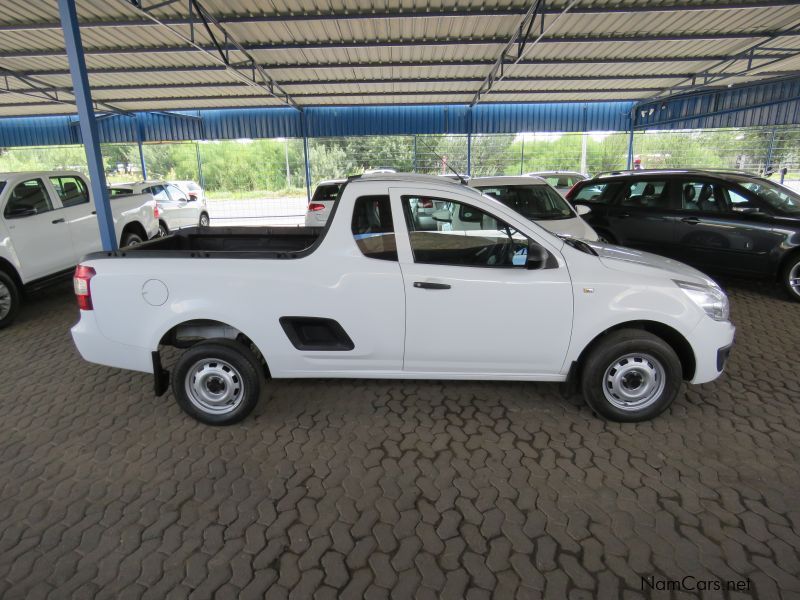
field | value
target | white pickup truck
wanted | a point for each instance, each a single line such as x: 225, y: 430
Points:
x: 371, y: 296
x: 48, y: 223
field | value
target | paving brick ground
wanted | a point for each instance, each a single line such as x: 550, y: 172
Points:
x: 378, y: 489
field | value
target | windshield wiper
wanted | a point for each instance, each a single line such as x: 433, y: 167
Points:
x: 578, y: 244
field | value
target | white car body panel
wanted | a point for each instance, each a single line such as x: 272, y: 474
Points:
x: 45, y: 244
x: 493, y: 323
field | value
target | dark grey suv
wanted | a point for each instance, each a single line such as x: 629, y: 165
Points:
x: 726, y: 222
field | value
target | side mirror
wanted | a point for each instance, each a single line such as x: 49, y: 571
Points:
x: 538, y: 257
x: 582, y: 209
x: 442, y: 216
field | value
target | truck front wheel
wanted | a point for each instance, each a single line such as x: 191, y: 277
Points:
x: 631, y: 375
x: 9, y: 299
x: 217, y: 382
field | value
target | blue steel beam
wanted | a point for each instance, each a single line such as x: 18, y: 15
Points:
x: 89, y: 133
x: 352, y: 15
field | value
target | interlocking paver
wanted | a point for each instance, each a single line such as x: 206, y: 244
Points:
x: 394, y: 489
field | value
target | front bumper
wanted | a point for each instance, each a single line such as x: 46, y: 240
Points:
x: 711, y: 342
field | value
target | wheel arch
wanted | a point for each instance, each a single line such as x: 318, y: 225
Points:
x: 193, y: 331
x: 10, y: 270
x: 784, y: 262
x: 133, y: 227
x: 670, y: 335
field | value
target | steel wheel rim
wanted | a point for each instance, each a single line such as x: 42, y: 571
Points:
x: 214, y: 386
x: 634, y: 381
x: 794, y: 278
x: 5, y: 300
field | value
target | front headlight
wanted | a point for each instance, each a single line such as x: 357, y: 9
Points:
x: 710, y: 298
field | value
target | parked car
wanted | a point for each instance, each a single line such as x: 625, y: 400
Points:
x: 192, y: 190
x: 538, y: 201
x: 48, y: 223
x: 724, y: 222
x: 372, y: 296
x: 561, y: 180
x: 322, y: 202
x: 176, y: 209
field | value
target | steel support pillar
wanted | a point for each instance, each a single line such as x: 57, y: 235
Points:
x: 139, y: 138
x: 201, y: 181
x: 469, y: 142
x: 305, y: 155
x: 630, y: 140
x: 88, y: 125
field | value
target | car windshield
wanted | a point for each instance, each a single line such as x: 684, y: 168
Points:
x: 535, y: 202
x: 778, y: 197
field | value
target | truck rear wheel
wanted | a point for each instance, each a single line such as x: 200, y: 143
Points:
x: 217, y: 382
x: 9, y: 299
x: 131, y: 238
x: 631, y: 375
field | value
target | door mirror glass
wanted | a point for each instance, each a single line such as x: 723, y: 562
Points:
x: 442, y: 216
x: 582, y: 209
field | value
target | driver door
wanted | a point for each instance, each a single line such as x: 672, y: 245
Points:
x: 472, y: 306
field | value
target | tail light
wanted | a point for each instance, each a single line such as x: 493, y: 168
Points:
x: 314, y: 206
x: 83, y: 291
x: 571, y: 191
x: 156, y: 212
x: 426, y: 203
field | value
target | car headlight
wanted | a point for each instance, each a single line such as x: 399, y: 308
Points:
x: 710, y: 298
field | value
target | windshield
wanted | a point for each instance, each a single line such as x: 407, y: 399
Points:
x: 535, y: 202
x: 777, y: 196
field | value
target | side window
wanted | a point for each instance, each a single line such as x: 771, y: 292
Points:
x: 71, y: 190
x: 596, y: 192
x: 373, y: 229
x: 464, y: 236
x: 645, y: 194
x: 27, y: 199
x: 159, y: 193
x: 176, y: 194
x: 702, y: 196
x: 740, y: 203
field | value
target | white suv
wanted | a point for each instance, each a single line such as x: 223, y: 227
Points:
x: 176, y: 209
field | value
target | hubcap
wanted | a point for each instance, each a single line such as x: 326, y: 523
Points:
x: 5, y: 300
x: 794, y: 278
x: 634, y: 381
x: 214, y: 386
x: 204, y: 221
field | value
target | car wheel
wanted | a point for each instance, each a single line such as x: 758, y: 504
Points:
x: 9, y: 299
x: 605, y: 237
x: 131, y: 239
x: 204, y: 220
x: 790, y: 276
x: 217, y: 382
x: 631, y: 375
x: 162, y: 229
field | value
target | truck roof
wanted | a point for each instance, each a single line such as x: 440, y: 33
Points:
x: 10, y: 174
x: 507, y: 180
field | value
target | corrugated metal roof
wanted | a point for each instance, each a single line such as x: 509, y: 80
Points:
x: 365, y: 52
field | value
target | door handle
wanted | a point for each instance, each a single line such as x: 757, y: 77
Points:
x: 94, y: 212
x: 58, y: 221
x: 690, y: 220
x: 623, y: 215
x: 427, y: 285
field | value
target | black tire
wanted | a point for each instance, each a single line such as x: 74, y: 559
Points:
x: 130, y: 238
x: 789, y: 273
x: 9, y: 299
x: 623, y: 362
x: 605, y: 237
x: 225, y: 366
x: 163, y: 230
x: 204, y: 220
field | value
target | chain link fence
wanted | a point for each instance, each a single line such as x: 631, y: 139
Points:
x: 263, y: 181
